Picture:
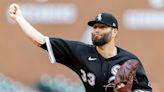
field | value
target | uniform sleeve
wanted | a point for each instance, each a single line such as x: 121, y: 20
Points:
x: 142, y: 84
x: 62, y: 50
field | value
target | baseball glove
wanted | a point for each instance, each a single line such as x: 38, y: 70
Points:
x: 125, y: 76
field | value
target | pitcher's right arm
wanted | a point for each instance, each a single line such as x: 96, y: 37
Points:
x: 15, y: 14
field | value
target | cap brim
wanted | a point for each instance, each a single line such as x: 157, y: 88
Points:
x: 91, y: 23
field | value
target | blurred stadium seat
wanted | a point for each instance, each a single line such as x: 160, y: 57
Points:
x: 46, y: 83
x: 59, y: 83
x: 9, y: 85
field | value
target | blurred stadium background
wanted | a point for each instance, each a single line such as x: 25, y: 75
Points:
x: 26, y: 68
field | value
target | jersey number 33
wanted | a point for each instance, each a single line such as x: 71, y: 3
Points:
x: 90, y: 77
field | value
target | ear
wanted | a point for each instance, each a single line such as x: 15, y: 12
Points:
x: 114, y: 32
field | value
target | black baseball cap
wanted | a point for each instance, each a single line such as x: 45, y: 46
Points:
x: 105, y: 18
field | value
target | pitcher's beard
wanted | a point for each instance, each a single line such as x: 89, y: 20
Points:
x: 102, y: 41
x: 99, y: 42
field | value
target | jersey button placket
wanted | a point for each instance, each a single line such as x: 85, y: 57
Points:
x: 104, y: 68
